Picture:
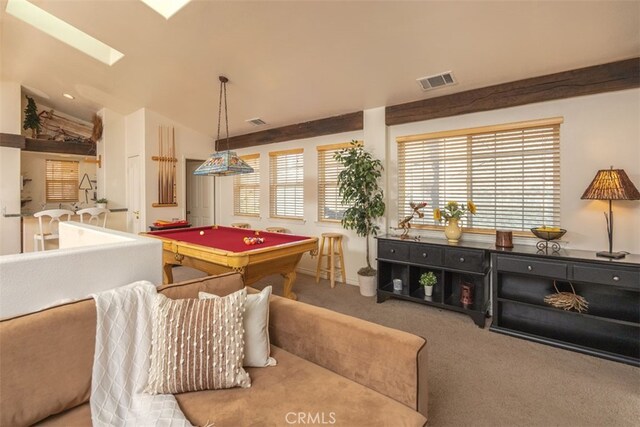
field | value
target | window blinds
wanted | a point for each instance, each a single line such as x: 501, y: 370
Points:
x: 61, y: 179
x: 246, y: 189
x: 511, y: 172
x: 286, y: 178
x: 329, y: 201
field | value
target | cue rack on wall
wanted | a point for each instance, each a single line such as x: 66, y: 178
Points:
x: 166, y: 159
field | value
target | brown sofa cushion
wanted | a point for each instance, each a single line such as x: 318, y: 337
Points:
x: 46, y: 357
x: 292, y: 391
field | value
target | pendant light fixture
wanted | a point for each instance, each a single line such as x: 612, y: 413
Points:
x: 223, y: 163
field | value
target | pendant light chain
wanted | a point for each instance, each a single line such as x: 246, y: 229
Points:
x: 226, y: 114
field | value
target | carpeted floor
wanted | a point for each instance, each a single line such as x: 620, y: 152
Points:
x: 482, y: 378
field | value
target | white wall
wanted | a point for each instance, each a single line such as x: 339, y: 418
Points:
x: 189, y: 145
x: 112, y: 174
x: 9, y: 169
x: 599, y: 131
x: 32, y: 281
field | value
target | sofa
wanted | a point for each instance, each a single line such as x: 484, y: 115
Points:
x: 332, y: 369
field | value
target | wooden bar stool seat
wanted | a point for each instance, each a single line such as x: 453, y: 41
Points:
x: 240, y: 225
x: 333, y: 242
x: 276, y: 229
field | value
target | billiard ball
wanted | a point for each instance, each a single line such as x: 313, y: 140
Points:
x: 202, y: 233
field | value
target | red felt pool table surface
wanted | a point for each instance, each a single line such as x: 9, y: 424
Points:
x: 227, y: 238
x: 221, y: 249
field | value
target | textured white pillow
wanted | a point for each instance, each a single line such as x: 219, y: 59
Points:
x: 256, y: 329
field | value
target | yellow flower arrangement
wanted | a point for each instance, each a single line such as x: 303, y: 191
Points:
x: 453, y: 210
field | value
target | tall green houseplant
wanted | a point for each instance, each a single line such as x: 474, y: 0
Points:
x: 358, y: 185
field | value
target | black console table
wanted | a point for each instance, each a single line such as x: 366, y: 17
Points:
x: 453, y: 266
x: 610, y: 328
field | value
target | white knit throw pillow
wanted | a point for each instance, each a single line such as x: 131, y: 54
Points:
x: 197, y: 344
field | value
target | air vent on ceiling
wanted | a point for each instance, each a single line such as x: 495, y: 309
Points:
x: 257, y: 121
x: 439, y: 80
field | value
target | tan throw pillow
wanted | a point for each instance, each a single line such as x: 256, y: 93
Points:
x: 256, y: 329
x: 197, y: 344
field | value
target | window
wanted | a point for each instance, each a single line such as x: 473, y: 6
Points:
x: 286, y: 194
x: 246, y: 189
x: 329, y: 201
x: 61, y: 181
x: 511, y: 172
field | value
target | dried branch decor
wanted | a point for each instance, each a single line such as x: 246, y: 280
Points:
x: 567, y: 300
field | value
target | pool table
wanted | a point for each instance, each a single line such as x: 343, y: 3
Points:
x: 217, y: 249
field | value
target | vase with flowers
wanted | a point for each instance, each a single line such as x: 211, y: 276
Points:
x: 451, y: 214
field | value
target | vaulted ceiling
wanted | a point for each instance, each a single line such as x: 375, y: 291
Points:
x: 291, y: 62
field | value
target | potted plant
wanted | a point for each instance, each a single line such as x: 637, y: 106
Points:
x: 101, y: 203
x: 452, y: 213
x: 31, y: 118
x: 358, y: 185
x: 428, y: 280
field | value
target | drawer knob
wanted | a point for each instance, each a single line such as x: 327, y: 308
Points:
x: 393, y: 251
x: 616, y: 278
x: 424, y: 255
x: 529, y: 268
x: 461, y: 259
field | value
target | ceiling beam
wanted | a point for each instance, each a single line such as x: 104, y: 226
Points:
x: 11, y: 140
x: 50, y: 146
x: 331, y: 125
x: 609, y: 77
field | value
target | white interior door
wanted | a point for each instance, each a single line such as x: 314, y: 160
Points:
x: 200, y: 205
x: 134, y: 193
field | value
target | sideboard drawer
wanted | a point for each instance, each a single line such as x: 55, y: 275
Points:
x: 465, y: 259
x: 556, y: 270
x: 392, y: 250
x: 607, y: 276
x: 424, y: 254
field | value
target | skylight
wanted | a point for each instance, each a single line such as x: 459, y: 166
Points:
x: 63, y: 31
x: 166, y: 8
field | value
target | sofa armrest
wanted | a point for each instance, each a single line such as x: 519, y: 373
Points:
x: 390, y: 361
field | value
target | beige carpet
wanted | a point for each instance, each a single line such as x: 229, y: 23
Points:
x: 482, y: 378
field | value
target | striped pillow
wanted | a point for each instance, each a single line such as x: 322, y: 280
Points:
x: 197, y: 344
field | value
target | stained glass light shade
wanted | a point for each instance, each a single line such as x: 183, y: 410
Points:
x: 223, y: 163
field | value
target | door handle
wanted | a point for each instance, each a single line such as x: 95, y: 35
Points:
x: 188, y: 212
x: 137, y: 214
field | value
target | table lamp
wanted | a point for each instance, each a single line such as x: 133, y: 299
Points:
x: 611, y: 184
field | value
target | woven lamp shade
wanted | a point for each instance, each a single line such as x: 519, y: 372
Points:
x: 611, y: 184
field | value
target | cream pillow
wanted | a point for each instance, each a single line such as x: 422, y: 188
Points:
x: 256, y: 329
x: 197, y: 344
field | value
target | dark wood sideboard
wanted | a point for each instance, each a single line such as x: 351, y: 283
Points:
x: 519, y: 279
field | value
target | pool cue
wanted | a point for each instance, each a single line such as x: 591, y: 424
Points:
x: 159, y: 166
x: 173, y: 164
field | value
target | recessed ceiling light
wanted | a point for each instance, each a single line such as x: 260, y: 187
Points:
x: 166, y: 8
x: 68, y: 96
x: 63, y: 31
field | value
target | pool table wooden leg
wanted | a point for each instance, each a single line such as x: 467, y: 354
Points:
x: 289, y: 278
x: 167, y: 270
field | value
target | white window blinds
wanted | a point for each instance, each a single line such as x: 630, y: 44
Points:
x: 286, y: 178
x: 511, y: 172
x: 61, y: 179
x: 329, y: 201
x: 246, y: 189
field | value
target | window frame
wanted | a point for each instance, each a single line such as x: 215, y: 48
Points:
x: 254, y: 161
x: 330, y: 150
x: 273, y: 186
x: 469, y: 133
x: 48, y: 178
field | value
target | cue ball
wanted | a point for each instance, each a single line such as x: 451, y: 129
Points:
x: 202, y: 233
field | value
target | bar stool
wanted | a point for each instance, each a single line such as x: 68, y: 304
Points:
x: 240, y: 225
x: 55, y: 216
x: 276, y: 229
x: 94, y: 215
x: 334, y: 247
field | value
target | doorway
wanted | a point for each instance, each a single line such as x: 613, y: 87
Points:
x: 200, y: 196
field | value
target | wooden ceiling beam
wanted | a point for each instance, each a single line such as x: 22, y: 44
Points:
x: 11, y: 140
x: 331, y: 125
x: 49, y: 146
x: 609, y: 77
